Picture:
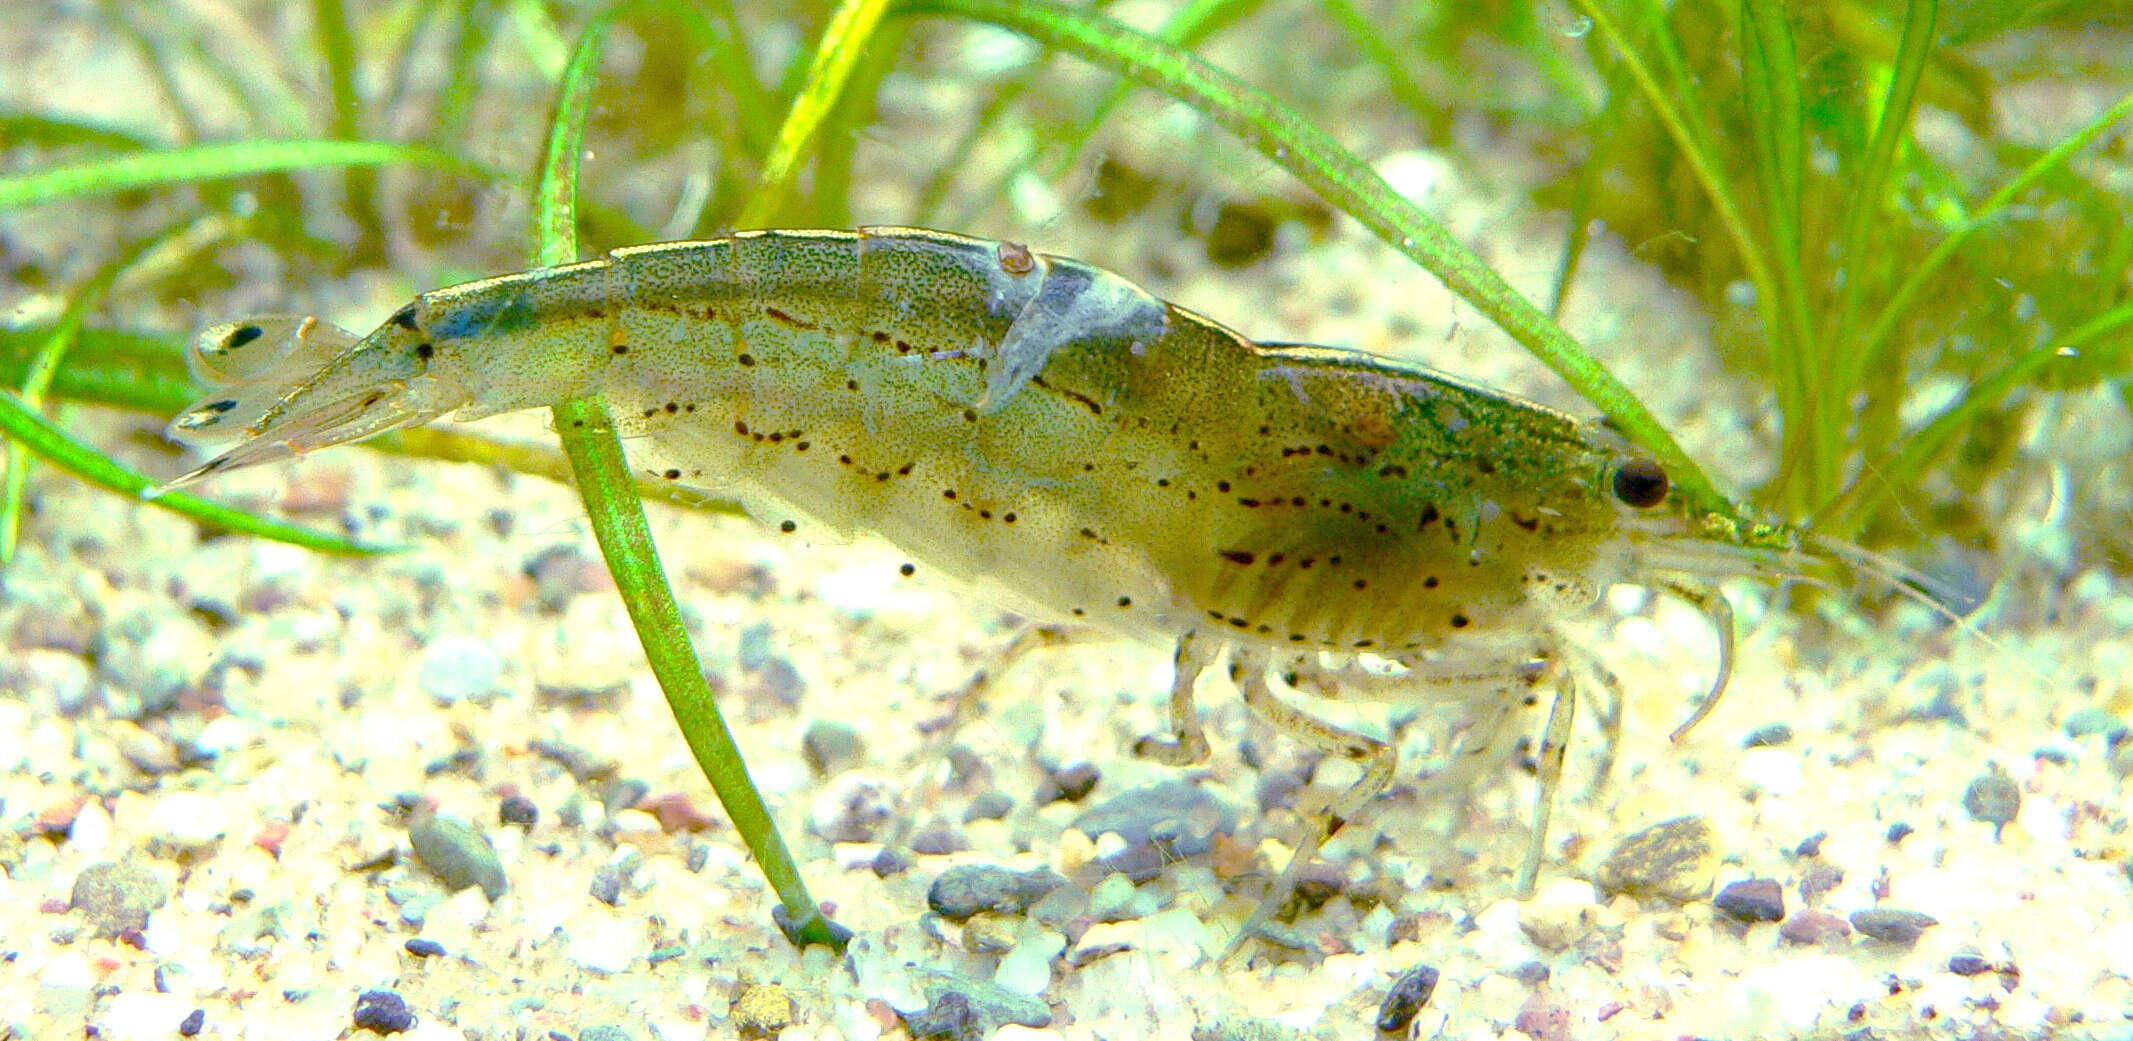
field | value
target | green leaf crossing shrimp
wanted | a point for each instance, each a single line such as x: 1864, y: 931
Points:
x: 1093, y: 454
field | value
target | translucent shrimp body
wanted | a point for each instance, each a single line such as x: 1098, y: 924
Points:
x: 1059, y: 436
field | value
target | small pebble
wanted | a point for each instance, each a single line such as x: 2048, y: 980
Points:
x: 517, y: 809
x: 831, y: 746
x: 460, y: 668
x: 989, y: 933
x: 1898, y: 832
x: 1113, y: 899
x: 2096, y: 721
x: 989, y: 805
x: 609, y: 878
x: 1162, y: 824
x: 1812, y: 927
x: 991, y: 1005
x: 191, y: 1025
x: 1752, y: 900
x: 117, y: 897
x: 422, y: 948
x: 1406, y: 999
x: 1068, y: 784
x: 192, y: 821
x: 948, y: 1017
x: 938, y: 839
x: 1819, y: 879
x: 1890, y: 925
x: 1993, y: 798
x: 1773, y: 736
x: 852, y: 807
x: 762, y: 1010
x: 1811, y: 846
x: 604, y: 1032
x: 1967, y: 962
x: 1672, y: 860
x: 967, y: 889
x: 383, y: 1012
x: 456, y: 852
x: 890, y: 862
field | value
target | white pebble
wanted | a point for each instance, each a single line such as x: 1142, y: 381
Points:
x: 141, y: 1016
x: 606, y: 945
x: 1027, y: 969
x: 63, y: 986
x: 1777, y: 771
x: 190, y: 820
x: 461, y: 668
x: 90, y: 833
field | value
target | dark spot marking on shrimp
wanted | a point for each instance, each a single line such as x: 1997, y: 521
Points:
x: 1247, y: 502
x: 672, y: 475
x: 425, y: 351
x: 907, y: 570
x: 788, y: 527
x: 1460, y: 621
x: 1275, y: 559
x: 789, y: 319
x: 1392, y: 470
x: 740, y: 426
x: 1362, y: 583
x: 1485, y: 464
x: 984, y: 514
x: 746, y: 359
x: 595, y: 312
x: 1239, y: 623
x: 948, y: 494
x: 1297, y: 637
x: 1365, y: 643
x: 218, y: 407
x: 1217, y: 616
x: 1238, y: 556
x: 905, y: 470
x: 1076, y: 396
x: 1429, y: 582
x: 1008, y: 517
x: 1528, y: 523
x: 845, y: 459
x: 621, y: 348
x: 1079, y: 613
x: 404, y: 318
x: 1222, y: 486
x: 1429, y: 516
x: 970, y: 415
x: 881, y: 337
x: 1125, y: 601
x: 1162, y: 482
x: 852, y: 385
x: 673, y: 407
x: 802, y: 446
x: 1306, y: 562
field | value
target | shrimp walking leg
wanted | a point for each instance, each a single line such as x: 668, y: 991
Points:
x: 1555, y: 741
x: 1377, y: 759
x: 1186, y: 743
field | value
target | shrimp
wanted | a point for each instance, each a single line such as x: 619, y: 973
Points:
x: 1086, y: 452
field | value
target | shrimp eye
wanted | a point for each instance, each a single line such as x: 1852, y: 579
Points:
x: 1640, y: 483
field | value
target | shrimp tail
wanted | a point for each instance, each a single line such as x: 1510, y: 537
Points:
x: 288, y: 385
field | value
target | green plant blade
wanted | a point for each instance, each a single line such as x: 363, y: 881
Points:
x: 1348, y: 184
x: 619, y: 525
x: 214, y: 162
x: 844, y: 40
x: 47, y: 441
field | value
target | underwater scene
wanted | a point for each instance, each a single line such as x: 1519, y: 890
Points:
x: 903, y: 519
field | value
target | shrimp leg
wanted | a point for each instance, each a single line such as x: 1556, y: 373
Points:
x: 1187, y: 742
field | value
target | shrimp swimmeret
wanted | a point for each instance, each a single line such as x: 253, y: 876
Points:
x: 1101, y: 456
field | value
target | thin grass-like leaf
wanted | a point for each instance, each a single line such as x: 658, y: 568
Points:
x: 1345, y: 182
x: 1921, y: 274
x: 1884, y: 478
x: 849, y: 33
x: 625, y: 538
x: 26, y: 427
x: 44, y: 363
x: 213, y: 162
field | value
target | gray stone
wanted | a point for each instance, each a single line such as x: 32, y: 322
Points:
x: 456, y: 852
x: 1672, y: 860
x: 460, y: 668
x: 967, y: 889
x: 1161, y: 824
x: 1892, y: 925
x: 831, y: 746
x: 117, y: 897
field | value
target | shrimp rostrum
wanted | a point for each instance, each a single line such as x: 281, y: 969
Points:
x: 1054, y: 433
